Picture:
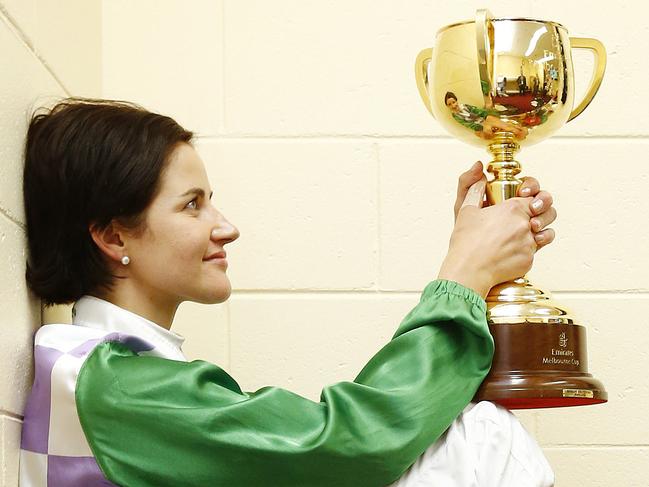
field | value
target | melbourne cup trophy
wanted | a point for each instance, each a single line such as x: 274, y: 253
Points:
x: 503, y: 84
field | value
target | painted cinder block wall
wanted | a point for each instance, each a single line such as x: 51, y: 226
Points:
x: 320, y: 151
x: 48, y: 49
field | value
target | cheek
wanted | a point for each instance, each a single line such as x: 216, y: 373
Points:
x: 188, y: 246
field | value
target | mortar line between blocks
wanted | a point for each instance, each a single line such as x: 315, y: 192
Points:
x: 3, y: 440
x: 379, y: 243
x: 9, y: 414
x: 223, y: 54
x: 20, y: 224
x: 621, y: 293
x: 416, y: 292
x: 603, y: 446
x: 311, y: 293
x: 228, y: 320
x: 401, y: 137
x: 13, y: 25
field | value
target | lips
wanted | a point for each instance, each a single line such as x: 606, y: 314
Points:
x: 216, y: 255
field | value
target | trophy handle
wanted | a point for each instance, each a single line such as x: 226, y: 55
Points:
x: 421, y: 75
x: 484, y: 31
x: 598, y: 69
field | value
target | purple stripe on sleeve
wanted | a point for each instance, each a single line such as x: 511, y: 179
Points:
x: 85, y: 347
x: 134, y: 343
x: 37, y: 411
x: 69, y: 471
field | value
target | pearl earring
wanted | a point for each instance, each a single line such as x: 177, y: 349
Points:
x: 125, y: 260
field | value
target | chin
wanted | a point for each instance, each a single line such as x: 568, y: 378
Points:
x: 215, y: 295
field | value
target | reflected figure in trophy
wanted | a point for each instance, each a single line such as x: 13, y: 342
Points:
x: 522, y: 84
x: 481, y: 121
x: 501, y: 87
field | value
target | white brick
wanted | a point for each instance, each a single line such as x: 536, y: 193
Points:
x: 286, y: 55
x: 418, y: 181
x: 303, y: 342
x: 59, y: 313
x: 600, y: 209
x: 528, y: 419
x: 599, y: 188
x: 600, y: 467
x: 23, y: 86
x: 20, y: 318
x: 339, y: 67
x: 67, y: 35
x: 9, y: 451
x: 205, y: 328
x: 306, y: 211
x: 166, y: 55
x: 617, y: 347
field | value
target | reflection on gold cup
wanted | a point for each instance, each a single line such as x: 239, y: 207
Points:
x: 503, y: 83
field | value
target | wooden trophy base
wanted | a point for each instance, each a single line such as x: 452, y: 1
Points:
x: 540, y: 366
x: 540, y: 359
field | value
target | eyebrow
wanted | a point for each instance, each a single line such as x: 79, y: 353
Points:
x: 196, y: 191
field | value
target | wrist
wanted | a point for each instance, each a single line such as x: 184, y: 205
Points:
x: 472, y: 277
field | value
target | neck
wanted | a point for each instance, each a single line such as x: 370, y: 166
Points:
x: 136, y: 300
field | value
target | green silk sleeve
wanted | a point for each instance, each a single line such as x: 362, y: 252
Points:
x: 472, y: 125
x: 157, y: 422
x: 478, y: 111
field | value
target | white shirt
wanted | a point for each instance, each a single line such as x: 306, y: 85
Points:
x: 102, y: 315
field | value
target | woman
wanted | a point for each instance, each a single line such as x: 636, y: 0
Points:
x: 119, y: 221
x: 483, y: 124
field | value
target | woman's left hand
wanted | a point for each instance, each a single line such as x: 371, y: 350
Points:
x: 540, y: 204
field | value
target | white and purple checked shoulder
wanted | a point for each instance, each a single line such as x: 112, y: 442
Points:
x: 54, y: 451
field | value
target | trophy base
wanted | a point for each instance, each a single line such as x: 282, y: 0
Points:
x: 540, y: 358
x: 538, y: 390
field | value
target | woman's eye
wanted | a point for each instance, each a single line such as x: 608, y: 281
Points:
x: 193, y: 204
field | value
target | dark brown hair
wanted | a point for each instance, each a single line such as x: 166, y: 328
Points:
x: 88, y: 162
x: 448, y: 96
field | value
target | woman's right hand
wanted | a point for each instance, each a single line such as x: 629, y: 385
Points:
x: 489, y: 245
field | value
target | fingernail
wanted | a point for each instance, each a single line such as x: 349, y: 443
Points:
x: 526, y: 191
x: 537, y: 204
x: 539, y: 238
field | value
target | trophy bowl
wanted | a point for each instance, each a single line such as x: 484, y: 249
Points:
x: 504, y: 75
x: 502, y: 84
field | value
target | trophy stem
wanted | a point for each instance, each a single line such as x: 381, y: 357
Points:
x: 504, y: 168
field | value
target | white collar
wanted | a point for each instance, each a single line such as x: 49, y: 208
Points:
x: 100, y: 314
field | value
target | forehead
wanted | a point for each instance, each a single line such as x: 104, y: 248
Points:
x: 184, y: 170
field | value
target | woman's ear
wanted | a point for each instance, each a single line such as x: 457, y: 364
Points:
x: 109, y: 240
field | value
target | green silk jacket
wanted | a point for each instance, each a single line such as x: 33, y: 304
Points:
x: 152, y: 421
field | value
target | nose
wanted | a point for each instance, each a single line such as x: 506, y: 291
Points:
x: 224, y: 231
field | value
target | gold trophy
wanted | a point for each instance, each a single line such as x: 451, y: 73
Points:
x: 503, y: 83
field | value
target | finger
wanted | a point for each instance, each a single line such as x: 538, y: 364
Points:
x: 475, y: 195
x: 541, y: 221
x: 544, y: 238
x: 468, y: 178
x: 541, y: 202
x: 530, y: 187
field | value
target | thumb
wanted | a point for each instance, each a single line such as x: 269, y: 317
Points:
x: 475, y: 195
